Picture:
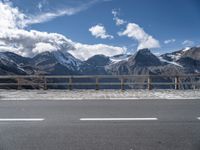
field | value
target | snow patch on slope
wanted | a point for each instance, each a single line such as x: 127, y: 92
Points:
x: 118, y: 58
x: 186, y: 49
x: 67, y: 60
x: 176, y: 56
x: 169, y: 62
x: 5, y: 60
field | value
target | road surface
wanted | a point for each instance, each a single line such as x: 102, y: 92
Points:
x: 100, y: 125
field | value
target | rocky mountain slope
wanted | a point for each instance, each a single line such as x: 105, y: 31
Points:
x: 143, y: 62
x: 188, y: 59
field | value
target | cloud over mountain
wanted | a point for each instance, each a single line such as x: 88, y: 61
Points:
x: 30, y: 43
x: 188, y: 43
x: 15, y: 38
x: 144, y: 40
x: 84, y: 51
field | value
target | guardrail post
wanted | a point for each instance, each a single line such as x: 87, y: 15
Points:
x: 45, y: 83
x: 176, y: 83
x: 194, y: 87
x: 38, y: 79
x: 70, y: 83
x: 19, y: 84
x: 97, y: 83
x: 194, y: 84
x: 149, y: 83
x: 122, y: 84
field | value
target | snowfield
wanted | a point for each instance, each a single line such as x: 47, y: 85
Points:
x: 97, y: 95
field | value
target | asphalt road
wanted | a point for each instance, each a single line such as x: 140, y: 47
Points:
x: 100, y: 125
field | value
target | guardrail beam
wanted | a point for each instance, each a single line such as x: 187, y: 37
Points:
x: 42, y: 81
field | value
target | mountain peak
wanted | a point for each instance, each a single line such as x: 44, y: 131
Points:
x: 98, y: 60
x: 62, y: 62
x: 144, y: 50
x: 193, y: 53
x: 144, y: 57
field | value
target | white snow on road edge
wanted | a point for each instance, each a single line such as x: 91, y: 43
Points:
x: 97, y: 95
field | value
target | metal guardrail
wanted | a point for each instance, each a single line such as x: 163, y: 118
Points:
x: 123, y: 81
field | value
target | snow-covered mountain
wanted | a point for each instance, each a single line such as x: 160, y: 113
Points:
x: 56, y: 62
x: 188, y: 58
x: 143, y: 62
x: 98, y: 61
x: 11, y: 63
x: 193, y: 53
x: 63, y: 63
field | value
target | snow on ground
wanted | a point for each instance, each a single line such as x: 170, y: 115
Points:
x: 97, y: 95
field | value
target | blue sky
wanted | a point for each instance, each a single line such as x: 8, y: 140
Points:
x: 175, y: 24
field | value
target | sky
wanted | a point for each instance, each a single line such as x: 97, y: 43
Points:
x: 89, y: 27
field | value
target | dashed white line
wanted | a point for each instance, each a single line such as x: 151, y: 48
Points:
x: 118, y: 119
x: 20, y: 119
x: 198, y: 118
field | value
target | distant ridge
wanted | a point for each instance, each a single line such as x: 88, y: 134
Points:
x: 186, y: 61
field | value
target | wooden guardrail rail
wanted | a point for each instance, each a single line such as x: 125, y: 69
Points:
x: 122, y: 81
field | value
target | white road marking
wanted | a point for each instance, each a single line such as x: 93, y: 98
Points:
x: 198, y: 118
x: 20, y: 119
x: 118, y: 119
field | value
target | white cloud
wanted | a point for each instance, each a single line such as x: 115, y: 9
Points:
x: 11, y: 17
x: 117, y: 20
x: 41, y: 4
x: 42, y: 47
x: 188, y: 43
x: 144, y: 40
x: 47, y: 16
x: 30, y: 43
x: 135, y: 32
x: 99, y: 31
x: 68, y: 11
x: 14, y: 38
x: 170, y: 41
x: 85, y: 51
